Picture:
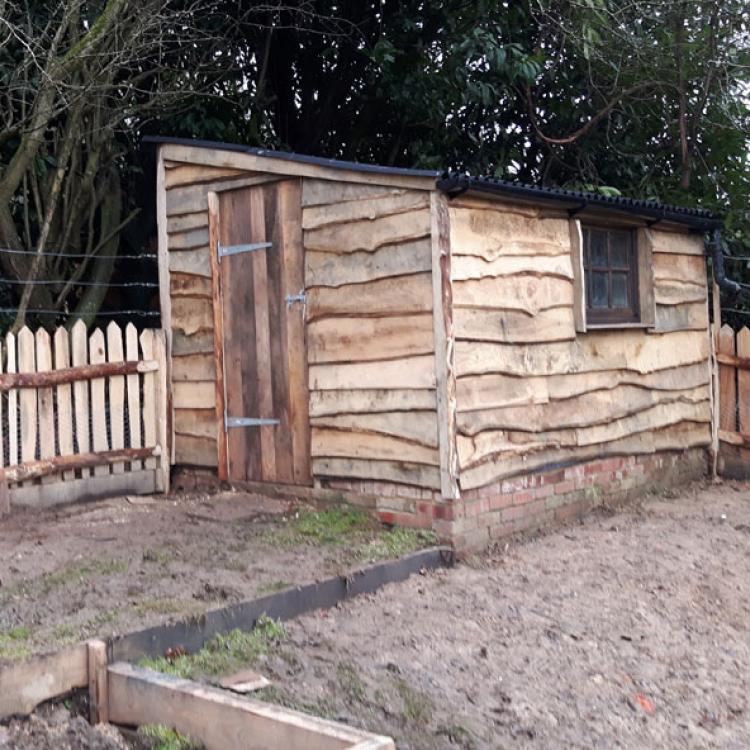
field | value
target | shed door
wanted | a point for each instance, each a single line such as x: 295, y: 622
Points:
x: 265, y: 358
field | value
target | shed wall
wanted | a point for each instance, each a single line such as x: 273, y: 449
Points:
x: 531, y: 391
x: 368, y: 260
x: 370, y: 338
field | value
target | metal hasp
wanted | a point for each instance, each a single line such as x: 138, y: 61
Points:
x: 236, y: 249
x: 292, y: 298
x: 249, y: 422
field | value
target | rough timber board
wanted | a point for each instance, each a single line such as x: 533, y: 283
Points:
x: 220, y: 720
x: 237, y: 160
x: 26, y: 684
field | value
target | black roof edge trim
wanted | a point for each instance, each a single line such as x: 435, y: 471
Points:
x: 319, y: 161
x: 695, y: 218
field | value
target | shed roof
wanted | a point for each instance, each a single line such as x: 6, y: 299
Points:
x: 453, y: 183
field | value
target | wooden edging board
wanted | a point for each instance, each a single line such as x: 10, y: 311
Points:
x: 221, y: 720
x: 24, y: 685
x: 283, y: 605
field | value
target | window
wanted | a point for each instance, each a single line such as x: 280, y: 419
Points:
x: 610, y: 265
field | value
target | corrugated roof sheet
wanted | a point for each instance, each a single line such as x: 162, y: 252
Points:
x: 697, y: 218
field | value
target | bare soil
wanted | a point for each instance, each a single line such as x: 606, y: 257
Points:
x: 53, y: 727
x: 628, y: 630
x: 116, y: 566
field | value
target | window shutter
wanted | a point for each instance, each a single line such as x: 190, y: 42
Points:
x: 646, y: 277
x: 579, y: 287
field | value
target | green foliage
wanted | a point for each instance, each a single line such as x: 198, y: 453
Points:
x: 223, y: 653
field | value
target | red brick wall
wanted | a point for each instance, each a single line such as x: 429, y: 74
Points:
x: 526, y: 502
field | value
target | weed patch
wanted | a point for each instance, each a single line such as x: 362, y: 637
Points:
x: 164, y: 606
x: 273, y: 586
x: 223, y: 653
x: 13, y: 644
x: 416, y: 706
x: 350, y: 683
x: 334, y: 526
x: 160, y: 737
x: 396, y: 543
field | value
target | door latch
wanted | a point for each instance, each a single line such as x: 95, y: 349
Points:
x: 292, y: 298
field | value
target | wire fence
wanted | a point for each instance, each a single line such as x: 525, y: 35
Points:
x: 136, y: 305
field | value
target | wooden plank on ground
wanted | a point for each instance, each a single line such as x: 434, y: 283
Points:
x: 28, y: 683
x: 98, y: 693
x: 80, y: 357
x: 64, y: 398
x: 221, y: 720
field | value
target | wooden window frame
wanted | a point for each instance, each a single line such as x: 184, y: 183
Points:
x: 643, y: 289
x: 611, y: 315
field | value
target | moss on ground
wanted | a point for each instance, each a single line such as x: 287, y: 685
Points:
x: 223, y: 654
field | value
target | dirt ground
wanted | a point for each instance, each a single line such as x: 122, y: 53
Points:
x: 119, y: 565
x: 628, y: 630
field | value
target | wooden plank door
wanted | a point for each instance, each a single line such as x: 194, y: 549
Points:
x: 264, y: 355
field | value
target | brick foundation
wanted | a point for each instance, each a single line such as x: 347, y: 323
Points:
x: 512, y: 506
x: 527, y: 502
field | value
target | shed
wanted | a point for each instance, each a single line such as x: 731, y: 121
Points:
x: 467, y: 354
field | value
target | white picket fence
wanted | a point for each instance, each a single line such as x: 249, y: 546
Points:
x: 82, y: 415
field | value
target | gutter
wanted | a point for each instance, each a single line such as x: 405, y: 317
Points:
x: 717, y: 255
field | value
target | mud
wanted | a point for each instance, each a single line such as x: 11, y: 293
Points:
x: 628, y: 630
x: 119, y: 565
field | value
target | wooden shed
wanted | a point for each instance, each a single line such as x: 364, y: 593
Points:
x: 467, y: 354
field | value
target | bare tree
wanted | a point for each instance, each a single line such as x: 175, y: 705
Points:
x: 75, y: 74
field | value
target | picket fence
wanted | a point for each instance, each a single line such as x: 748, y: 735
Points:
x: 732, y: 353
x: 82, y: 415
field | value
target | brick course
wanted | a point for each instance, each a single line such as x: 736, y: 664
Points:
x: 527, y: 502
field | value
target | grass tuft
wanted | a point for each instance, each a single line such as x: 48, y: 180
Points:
x: 273, y: 586
x: 161, y: 737
x: 398, y: 542
x: 417, y: 707
x: 12, y: 644
x: 223, y: 654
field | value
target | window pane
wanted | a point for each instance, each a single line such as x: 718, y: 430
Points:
x: 620, y: 290
x: 597, y: 247
x: 599, y: 296
x: 619, y: 249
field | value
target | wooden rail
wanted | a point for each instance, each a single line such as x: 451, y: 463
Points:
x: 10, y: 380
x: 82, y: 414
